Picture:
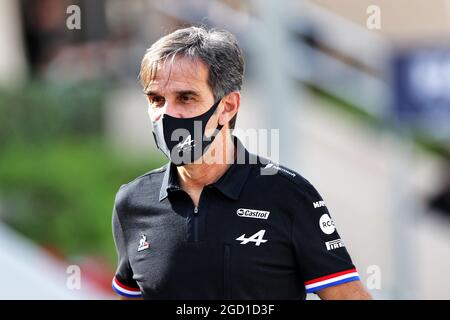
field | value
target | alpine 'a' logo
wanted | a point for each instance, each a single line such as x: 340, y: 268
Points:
x: 186, y: 144
x: 257, y: 238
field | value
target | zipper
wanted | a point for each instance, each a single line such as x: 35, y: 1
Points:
x: 196, y: 224
x: 227, y: 271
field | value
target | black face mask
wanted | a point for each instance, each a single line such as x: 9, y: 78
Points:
x: 183, y: 140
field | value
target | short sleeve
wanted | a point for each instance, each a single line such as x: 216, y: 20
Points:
x: 320, y: 251
x: 123, y: 282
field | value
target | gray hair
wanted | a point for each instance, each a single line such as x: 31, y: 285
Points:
x: 218, y: 49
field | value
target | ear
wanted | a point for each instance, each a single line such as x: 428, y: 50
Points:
x: 231, y: 103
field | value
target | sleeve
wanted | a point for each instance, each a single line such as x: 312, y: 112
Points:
x: 123, y: 282
x: 320, y: 251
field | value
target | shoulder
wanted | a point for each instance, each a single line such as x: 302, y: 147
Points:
x: 286, y: 181
x: 290, y: 191
x: 147, y: 184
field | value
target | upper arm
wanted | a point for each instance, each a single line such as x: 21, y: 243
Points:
x: 321, y: 253
x: 123, y: 282
x: 348, y: 291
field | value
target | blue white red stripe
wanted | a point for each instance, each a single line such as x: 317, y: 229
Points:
x: 124, y: 290
x: 331, y: 280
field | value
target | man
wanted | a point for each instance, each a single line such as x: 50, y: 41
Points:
x: 217, y: 222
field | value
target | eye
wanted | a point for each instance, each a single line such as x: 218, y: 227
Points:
x: 156, y: 101
x: 185, y: 98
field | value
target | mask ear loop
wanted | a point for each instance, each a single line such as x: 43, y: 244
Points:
x: 217, y: 129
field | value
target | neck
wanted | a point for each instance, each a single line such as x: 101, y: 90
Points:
x: 215, y: 162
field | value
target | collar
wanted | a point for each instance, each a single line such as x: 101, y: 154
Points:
x: 230, y: 183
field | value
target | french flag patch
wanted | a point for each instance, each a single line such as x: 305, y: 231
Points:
x: 331, y: 280
x: 124, y: 290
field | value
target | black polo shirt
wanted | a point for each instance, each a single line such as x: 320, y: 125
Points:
x: 261, y: 231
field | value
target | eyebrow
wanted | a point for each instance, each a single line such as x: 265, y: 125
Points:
x: 179, y: 93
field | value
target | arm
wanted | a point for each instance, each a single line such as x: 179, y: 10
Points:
x: 123, y: 283
x: 326, y: 265
x: 353, y: 290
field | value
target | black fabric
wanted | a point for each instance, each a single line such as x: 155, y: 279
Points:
x: 202, y: 253
x: 124, y: 272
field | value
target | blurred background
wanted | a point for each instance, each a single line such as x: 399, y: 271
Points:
x: 360, y: 91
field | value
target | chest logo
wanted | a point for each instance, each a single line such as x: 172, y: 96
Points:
x: 143, y: 244
x: 257, y: 238
x: 252, y: 213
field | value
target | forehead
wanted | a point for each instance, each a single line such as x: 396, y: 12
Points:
x: 178, y: 74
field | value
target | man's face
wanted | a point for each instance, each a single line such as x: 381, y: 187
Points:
x: 180, y: 89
